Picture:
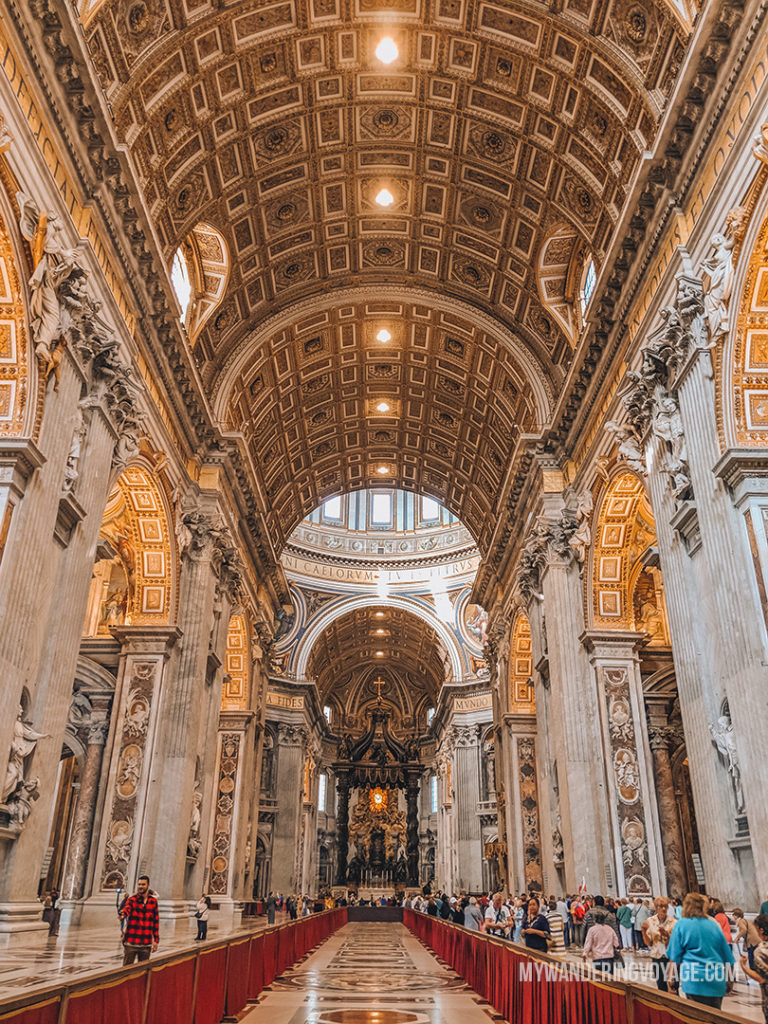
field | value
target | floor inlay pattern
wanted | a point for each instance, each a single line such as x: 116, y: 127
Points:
x: 386, y: 977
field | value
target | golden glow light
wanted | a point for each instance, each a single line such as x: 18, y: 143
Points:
x: 382, y: 407
x: 379, y: 654
x: 379, y: 615
x: 387, y: 50
x: 384, y: 197
x: 378, y: 799
x: 383, y: 470
x: 383, y: 335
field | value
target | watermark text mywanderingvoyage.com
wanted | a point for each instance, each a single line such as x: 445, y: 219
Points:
x: 530, y: 971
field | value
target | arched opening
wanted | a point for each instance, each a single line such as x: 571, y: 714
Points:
x: 133, y: 573
x: 199, y: 273
x: 627, y: 589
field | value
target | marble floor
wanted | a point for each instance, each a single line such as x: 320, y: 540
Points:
x: 77, y: 953
x: 370, y: 973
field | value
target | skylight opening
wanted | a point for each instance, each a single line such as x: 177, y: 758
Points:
x: 181, y: 283
x: 590, y: 280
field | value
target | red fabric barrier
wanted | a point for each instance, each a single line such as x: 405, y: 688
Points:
x: 210, y: 985
x: 42, y: 1013
x: 208, y: 982
x: 270, y: 958
x: 237, y: 976
x: 509, y: 980
x: 123, y: 1000
x: 170, y: 992
x: 256, y: 967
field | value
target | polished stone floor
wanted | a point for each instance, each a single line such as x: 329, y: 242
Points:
x: 370, y: 973
x: 77, y: 953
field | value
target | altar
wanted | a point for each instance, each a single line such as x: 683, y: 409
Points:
x: 378, y: 843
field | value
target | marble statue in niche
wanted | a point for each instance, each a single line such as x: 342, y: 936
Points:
x: 23, y: 745
x: 648, y: 614
x: 193, y: 841
x: 722, y: 736
x: 668, y: 426
x: 72, y: 468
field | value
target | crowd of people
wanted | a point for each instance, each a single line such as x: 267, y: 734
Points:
x: 692, y: 944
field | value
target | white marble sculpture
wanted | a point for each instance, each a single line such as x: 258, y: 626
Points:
x: 22, y: 745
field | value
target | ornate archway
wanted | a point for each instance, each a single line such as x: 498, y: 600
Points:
x: 626, y: 588
x: 134, y: 574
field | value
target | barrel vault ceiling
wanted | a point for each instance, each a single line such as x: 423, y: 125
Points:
x: 508, y: 135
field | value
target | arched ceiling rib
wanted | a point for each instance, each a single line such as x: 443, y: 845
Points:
x: 348, y: 646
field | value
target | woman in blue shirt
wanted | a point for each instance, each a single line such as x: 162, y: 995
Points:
x: 698, y: 947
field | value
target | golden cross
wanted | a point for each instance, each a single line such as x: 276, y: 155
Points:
x: 378, y: 683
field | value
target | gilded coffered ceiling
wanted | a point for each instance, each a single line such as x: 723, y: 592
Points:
x: 411, y: 656
x: 508, y: 136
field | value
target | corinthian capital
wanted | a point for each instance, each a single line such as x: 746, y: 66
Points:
x: 291, y: 735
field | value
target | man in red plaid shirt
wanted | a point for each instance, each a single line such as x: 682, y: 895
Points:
x: 141, y: 934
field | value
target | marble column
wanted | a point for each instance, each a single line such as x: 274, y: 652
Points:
x: 185, y: 757
x: 45, y: 578
x: 142, y: 676
x: 342, y: 828
x: 468, y: 847
x: 671, y: 837
x: 291, y: 741
x: 637, y: 847
x: 575, y: 746
x: 712, y: 591
x: 73, y: 885
x: 412, y: 829
x: 222, y: 862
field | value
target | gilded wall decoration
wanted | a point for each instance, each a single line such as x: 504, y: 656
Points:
x: 234, y: 694
x: 221, y: 848
x: 521, y: 695
x: 529, y: 809
x: 630, y: 808
x: 742, y: 384
x: 135, y: 584
x: 624, y: 594
x: 369, y: 815
x: 129, y: 777
x: 14, y: 354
